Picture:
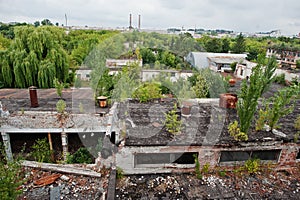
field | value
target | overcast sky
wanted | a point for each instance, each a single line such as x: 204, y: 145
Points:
x: 237, y: 15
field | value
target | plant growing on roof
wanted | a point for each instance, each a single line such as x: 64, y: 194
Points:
x: 260, y: 80
x: 147, y: 91
x: 172, y: 123
x: 280, y: 106
x: 236, y: 133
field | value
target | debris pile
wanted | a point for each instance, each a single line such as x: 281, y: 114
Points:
x: 42, y: 184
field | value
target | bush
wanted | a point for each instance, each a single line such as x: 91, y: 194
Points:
x: 120, y: 173
x: 252, y: 165
x: 280, y: 79
x: 147, y: 91
x: 197, y: 167
x: 41, y: 151
x: 11, y: 177
x: 173, y: 124
x: 236, y: 133
x: 82, y: 155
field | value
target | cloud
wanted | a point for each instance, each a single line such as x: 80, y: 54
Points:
x: 251, y: 16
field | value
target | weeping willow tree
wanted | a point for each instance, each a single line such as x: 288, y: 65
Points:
x: 35, y: 57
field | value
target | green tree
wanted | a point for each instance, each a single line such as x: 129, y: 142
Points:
x: 147, y: 91
x: 201, y: 88
x: 214, y: 45
x: 11, y: 177
x: 172, y: 123
x: 148, y: 56
x: 278, y: 106
x: 260, y: 79
x: 225, y: 45
x: 46, y: 22
x: 36, y: 57
x: 36, y: 23
x: 239, y: 45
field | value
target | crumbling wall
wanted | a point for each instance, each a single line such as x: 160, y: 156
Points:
x: 125, y: 158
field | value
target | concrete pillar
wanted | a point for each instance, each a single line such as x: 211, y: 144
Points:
x: 7, y: 146
x: 64, y: 141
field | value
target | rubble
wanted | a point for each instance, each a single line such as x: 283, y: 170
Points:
x: 232, y: 185
x: 65, y: 186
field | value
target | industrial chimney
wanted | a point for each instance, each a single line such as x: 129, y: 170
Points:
x: 130, y: 21
x: 139, y: 23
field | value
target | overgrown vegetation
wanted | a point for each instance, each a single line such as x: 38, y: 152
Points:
x: 11, y: 176
x: 82, y: 155
x: 236, y: 133
x: 120, y: 173
x: 147, y: 91
x: 41, y: 150
x: 173, y: 123
x: 197, y: 167
x: 252, y: 166
x: 260, y: 80
x: 276, y: 107
x: 297, y: 127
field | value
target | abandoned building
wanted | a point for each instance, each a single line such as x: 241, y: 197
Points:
x: 135, y: 137
x: 149, y: 148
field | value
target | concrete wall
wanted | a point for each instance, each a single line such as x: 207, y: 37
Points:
x: 125, y: 158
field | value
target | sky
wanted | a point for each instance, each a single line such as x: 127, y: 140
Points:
x: 237, y: 15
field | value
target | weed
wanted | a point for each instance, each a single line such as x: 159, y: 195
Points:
x: 197, y: 167
x: 236, y: 133
x: 120, y: 173
x: 11, y: 177
x: 252, y: 166
x: 173, y: 124
x: 205, y: 168
x: 41, y: 150
x: 82, y: 155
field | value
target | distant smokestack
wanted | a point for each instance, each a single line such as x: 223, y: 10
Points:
x: 130, y: 21
x: 139, y: 23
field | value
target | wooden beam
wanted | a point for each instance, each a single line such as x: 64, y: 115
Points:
x: 62, y: 168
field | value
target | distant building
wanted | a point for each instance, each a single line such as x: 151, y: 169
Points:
x: 83, y: 73
x: 149, y: 74
x: 286, y: 58
x: 243, y: 70
x: 215, y: 61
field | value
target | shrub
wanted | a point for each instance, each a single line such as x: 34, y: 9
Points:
x: 197, y: 167
x: 120, y: 173
x: 205, y: 168
x: 236, y: 133
x: 173, y: 124
x: 260, y: 79
x: 61, y: 106
x: 147, y: 91
x: 252, y: 165
x: 280, y: 106
x: 11, y: 177
x: 41, y: 151
x: 280, y: 79
x: 82, y: 155
x: 297, y: 123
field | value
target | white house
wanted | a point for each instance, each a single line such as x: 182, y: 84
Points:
x: 215, y: 61
x: 148, y: 74
x: 83, y: 74
x: 243, y: 70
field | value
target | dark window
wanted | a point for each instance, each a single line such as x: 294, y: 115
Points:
x: 184, y: 158
x: 230, y: 156
x: 266, y: 155
x: 298, y: 155
x: 242, y: 71
x: 233, y: 156
x: 165, y: 158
